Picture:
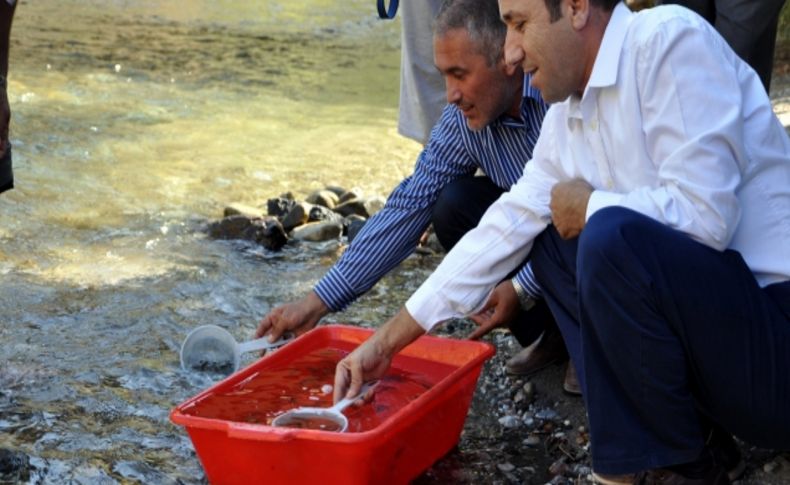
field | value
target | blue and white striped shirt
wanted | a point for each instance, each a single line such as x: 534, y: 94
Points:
x: 501, y: 150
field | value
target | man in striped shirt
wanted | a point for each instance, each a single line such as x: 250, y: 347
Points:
x: 491, y: 123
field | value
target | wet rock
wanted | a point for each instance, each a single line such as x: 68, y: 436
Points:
x: 510, y: 421
x: 337, y: 190
x: 374, y: 204
x: 266, y: 231
x: 354, y: 226
x: 318, y: 231
x: 506, y: 467
x: 14, y: 466
x: 353, y: 206
x: 298, y: 215
x: 770, y: 467
x: 321, y: 213
x: 352, y: 194
x: 236, y: 209
x: 323, y: 198
x: 547, y: 414
x: 279, y: 206
x: 532, y: 440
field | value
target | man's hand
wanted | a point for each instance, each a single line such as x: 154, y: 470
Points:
x: 298, y: 317
x: 569, y: 206
x: 502, y: 306
x: 371, y: 360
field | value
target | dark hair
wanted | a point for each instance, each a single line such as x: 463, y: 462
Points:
x: 480, y: 18
x: 555, y: 12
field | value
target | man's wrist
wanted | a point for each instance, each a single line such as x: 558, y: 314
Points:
x: 524, y: 300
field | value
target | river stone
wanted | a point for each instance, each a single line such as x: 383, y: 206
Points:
x: 279, y: 207
x: 335, y: 189
x: 318, y: 231
x: 14, y: 466
x: 324, y: 198
x: 374, y: 204
x: 297, y: 216
x: 242, y: 209
x: 353, y: 206
x: 355, y: 224
x: 321, y: 213
x: 266, y: 231
x: 354, y: 193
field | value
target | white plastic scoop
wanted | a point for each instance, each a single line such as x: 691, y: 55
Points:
x: 324, y: 419
x: 213, y: 348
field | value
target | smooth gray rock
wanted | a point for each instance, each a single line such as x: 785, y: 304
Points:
x: 266, y: 231
x: 318, y: 231
x: 324, y: 198
x: 298, y: 215
x: 321, y: 213
x: 237, y: 208
x: 353, y: 206
x: 374, y: 204
x: 279, y: 206
x: 354, y: 193
x: 354, y: 225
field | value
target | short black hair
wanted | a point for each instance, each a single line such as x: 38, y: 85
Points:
x: 480, y: 19
x: 555, y: 13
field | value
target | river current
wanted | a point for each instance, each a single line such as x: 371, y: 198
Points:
x: 133, y: 124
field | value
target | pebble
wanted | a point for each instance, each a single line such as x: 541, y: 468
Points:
x: 506, y: 467
x: 547, y: 414
x: 509, y: 421
x: 770, y: 467
x: 532, y: 440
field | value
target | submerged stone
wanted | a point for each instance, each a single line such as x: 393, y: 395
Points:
x: 266, y: 231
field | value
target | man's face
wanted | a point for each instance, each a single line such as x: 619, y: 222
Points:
x: 551, y: 51
x: 483, y: 92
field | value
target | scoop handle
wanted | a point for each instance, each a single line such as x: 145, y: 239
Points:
x: 263, y: 343
x: 345, y: 402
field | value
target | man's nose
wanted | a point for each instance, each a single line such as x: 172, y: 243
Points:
x: 452, y: 91
x: 514, y: 54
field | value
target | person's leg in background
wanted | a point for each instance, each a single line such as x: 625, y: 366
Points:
x: 669, y: 336
x: 459, y: 208
x: 422, y: 94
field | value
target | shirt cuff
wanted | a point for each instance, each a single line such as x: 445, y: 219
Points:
x: 334, y: 291
x: 526, y: 278
x: 600, y: 199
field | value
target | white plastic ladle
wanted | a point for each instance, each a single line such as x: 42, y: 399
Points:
x: 210, y: 347
x: 327, y: 419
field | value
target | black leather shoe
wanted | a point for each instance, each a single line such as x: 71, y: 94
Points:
x: 549, y: 349
x: 726, y: 453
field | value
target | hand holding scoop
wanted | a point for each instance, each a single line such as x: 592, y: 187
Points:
x: 213, y: 348
x: 324, y: 419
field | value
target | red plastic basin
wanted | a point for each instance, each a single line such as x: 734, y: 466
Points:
x: 396, y: 450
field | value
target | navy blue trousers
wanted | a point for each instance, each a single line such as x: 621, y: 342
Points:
x: 667, y: 335
x: 459, y: 208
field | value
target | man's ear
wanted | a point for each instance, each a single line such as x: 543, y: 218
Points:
x: 579, y: 12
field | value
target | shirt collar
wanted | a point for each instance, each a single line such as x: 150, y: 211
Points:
x: 604, y: 72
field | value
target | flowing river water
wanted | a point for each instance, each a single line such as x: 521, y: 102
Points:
x: 134, y: 123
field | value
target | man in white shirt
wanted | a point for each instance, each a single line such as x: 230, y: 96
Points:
x: 658, y: 205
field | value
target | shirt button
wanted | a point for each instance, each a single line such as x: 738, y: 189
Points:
x: 593, y: 125
x: 609, y: 184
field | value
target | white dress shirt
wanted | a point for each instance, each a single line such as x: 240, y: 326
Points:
x: 673, y: 125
